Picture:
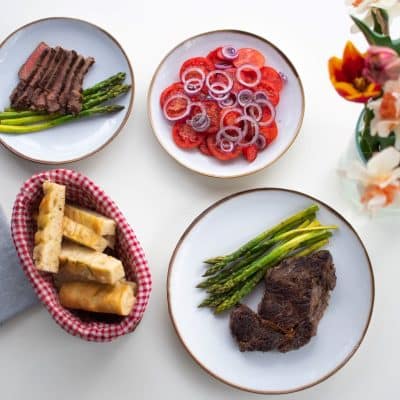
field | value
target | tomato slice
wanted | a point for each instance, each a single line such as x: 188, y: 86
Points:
x: 213, y: 111
x: 230, y: 117
x: 185, y: 137
x: 177, y: 107
x: 249, y: 56
x: 270, y: 132
x: 218, y: 153
x: 175, y: 88
x: 204, y: 148
x: 213, y: 55
x: 197, y: 62
x: 271, y: 76
x: 250, y: 152
x: 271, y: 91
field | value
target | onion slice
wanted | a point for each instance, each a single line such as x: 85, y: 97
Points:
x: 254, y: 124
x: 250, y: 67
x: 229, y: 52
x: 193, y: 69
x: 272, y: 110
x: 184, y: 114
x: 193, y: 86
x: 223, y: 133
x: 215, y: 87
x: 249, y: 110
x: 245, y: 96
x: 229, y: 101
x: 226, y: 145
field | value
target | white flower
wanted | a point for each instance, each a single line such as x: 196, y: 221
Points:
x: 379, y: 179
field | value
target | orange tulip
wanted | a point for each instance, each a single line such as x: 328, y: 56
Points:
x: 347, y: 76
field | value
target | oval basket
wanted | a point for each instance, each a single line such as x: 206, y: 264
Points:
x: 82, y: 191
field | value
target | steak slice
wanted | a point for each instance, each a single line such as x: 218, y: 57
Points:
x: 63, y: 99
x: 75, y: 97
x: 32, y: 61
x: 58, y: 82
x: 296, y: 296
x: 38, y: 100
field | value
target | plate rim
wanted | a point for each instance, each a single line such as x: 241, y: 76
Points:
x: 128, y: 109
x: 199, y: 217
x: 242, y: 32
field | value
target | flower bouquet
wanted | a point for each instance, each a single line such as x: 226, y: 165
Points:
x: 373, y: 79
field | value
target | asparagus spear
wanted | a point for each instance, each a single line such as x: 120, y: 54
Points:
x: 116, y: 79
x: 314, y: 247
x: 277, y: 254
x: 224, y: 260
x: 60, y: 120
x: 28, y: 120
x: 115, y: 91
x: 18, y: 114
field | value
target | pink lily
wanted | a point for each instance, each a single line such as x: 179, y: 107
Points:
x: 381, y: 64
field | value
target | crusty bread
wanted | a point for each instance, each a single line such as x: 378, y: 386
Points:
x: 83, y: 235
x: 93, y: 220
x: 96, y: 297
x: 49, y: 222
x: 81, y: 263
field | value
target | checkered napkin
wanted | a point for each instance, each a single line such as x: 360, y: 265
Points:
x: 16, y: 294
x: 81, y: 191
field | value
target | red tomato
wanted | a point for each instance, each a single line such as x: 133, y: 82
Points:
x: 204, y: 148
x: 270, y: 132
x: 213, y: 112
x: 270, y: 76
x: 249, y: 56
x: 230, y: 117
x: 250, y: 152
x: 177, y: 107
x: 213, y: 55
x: 185, y: 137
x: 175, y: 88
x: 272, y: 92
x: 196, y: 62
x: 218, y: 153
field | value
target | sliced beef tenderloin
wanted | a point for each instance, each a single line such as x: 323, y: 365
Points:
x: 24, y: 100
x: 74, y: 104
x: 64, y: 95
x: 54, y: 89
x: 32, y: 61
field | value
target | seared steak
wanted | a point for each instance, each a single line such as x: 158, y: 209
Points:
x: 51, y: 80
x: 296, y: 296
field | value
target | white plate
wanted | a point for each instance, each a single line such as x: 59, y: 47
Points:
x: 222, y: 228
x: 79, y: 139
x: 289, y: 111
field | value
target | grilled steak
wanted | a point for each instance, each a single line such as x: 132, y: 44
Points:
x: 296, y: 296
x: 51, y: 80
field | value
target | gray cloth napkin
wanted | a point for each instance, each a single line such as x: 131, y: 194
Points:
x: 16, y: 293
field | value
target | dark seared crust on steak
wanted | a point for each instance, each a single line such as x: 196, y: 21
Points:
x: 296, y: 296
x: 74, y: 104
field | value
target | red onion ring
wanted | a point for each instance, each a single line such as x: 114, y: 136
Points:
x: 222, y: 65
x: 249, y: 110
x: 213, y: 87
x: 283, y: 76
x: 200, y: 122
x: 260, y: 95
x: 251, y: 68
x: 227, y: 111
x: 193, y: 86
x: 272, y: 110
x: 225, y: 145
x: 223, y: 133
x: 230, y: 101
x: 245, y: 96
x: 193, y: 69
x: 218, y: 97
x: 229, y: 52
x: 184, y: 113
x: 246, y: 118
x: 200, y: 105
x: 261, y: 142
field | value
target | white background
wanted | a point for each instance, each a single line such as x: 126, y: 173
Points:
x: 160, y: 198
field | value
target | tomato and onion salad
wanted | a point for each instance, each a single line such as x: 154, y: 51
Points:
x: 224, y: 104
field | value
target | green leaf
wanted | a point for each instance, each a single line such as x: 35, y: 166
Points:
x: 372, y: 37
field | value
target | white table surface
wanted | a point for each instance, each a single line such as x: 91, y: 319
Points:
x: 38, y: 360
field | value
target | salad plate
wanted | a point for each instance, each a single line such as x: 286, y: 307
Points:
x: 223, y: 227
x: 289, y: 111
x: 79, y: 139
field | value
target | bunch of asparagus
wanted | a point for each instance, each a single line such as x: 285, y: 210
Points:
x: 231, y: 277
x: 12, y: 121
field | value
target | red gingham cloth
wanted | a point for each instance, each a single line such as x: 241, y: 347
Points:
x: 81, y: 191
